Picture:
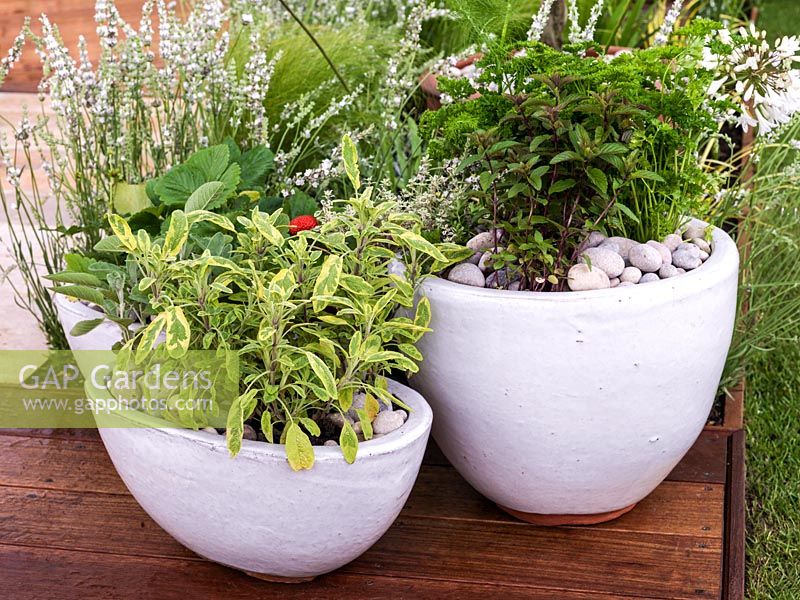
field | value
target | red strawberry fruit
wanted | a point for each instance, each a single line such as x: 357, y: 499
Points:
x: 302, y: 223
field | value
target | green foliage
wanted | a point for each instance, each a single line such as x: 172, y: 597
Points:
x: 143, y: 107
x: 359, y: 51
x: 314, y: 318
x: 625, y: 23
x: 486, y: 20
x: 561, y: 144
x: 291, y: 308
x: 211, y: 177
x: 769, y: 291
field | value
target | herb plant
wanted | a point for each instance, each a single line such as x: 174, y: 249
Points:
x: 314, y: 318
x: 561, y: 144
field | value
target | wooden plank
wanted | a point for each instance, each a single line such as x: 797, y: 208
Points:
x: 734, y: 408
x: 732, y: 412
x: 706, y: 461
x: 661, y: 566
x: 577, y: 559
x: 81, y: 521
x: 57, y: 464
x: 734, y: 558
x: 590, y: 559
x: 35, y: 573
x: 676, y: 508
x: 692, y: 510
x: 83, y: 435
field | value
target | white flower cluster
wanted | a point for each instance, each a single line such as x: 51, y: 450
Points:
x: 14, y: 54
x: 434, y: 196
x: 401, y: 77
x: 578, y: 34
x: 763, y: 82
x: 665, y: 31
x: 108, y: 19
x: 540, y: 20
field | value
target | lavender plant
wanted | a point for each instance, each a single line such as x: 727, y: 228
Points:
x: 171, y: 85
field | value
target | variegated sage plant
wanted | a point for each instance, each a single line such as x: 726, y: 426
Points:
x: 314, y: 317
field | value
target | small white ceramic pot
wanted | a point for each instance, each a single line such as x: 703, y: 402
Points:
x: 254, y: 513
x: 71, y: 312
x: 571, y: 407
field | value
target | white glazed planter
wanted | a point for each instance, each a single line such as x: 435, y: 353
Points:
x: 253, y: 512
x: 576, y: 403
x: 71, y: 312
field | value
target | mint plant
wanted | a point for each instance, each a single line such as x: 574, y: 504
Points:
x: 560, y: 144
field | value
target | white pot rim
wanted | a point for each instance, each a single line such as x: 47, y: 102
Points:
x: 724, y: 252
x: 417, y: 425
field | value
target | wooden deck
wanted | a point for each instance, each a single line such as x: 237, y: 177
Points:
x: 70, y: 529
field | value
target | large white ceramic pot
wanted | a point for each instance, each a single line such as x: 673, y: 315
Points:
x: 254, y: 513
x: 572, y: 407
x: 72, y: 312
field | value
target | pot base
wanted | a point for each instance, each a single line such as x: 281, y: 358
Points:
x: 278, y: 578
x: 555, y: 520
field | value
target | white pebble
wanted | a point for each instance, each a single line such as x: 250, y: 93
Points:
x: 481, y: 242
x: 646, y: 258
x: 686, y: 259
x: 486, y: 257
x: 694, y: 231
x: 623, y: 245
x: 614, y: 282
x: 475, y: 258
x: 330, y: 443
x: 704, y: 256
x: 467, y: 274
x: 630, y: 275
x: 386, y: 422
x: 672, y: 241
x: 690, y: 248
x: 648, y: 277
x: 497, y: 279
x: 667, y: 271
x: 593, y: 240
x: 609, y: 246
x: 338, y: 419
x: 581, y: 278
x: 702, y: 244
x: 626, y: 284
x: 209, y: 430
x: 666, y: 253
x: 605, y: 260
